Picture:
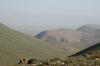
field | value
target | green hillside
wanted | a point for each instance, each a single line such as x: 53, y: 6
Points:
x: 15, y: 45
x: 87, y: 57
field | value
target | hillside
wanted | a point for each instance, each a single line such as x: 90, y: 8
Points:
x: 91, y: 34
x: 64, y: 38
x: 92, y: 49
x: 72, y: 40
x: 87, y: 57
x: 60, y: 35
x: 15, y: 45
x: 89, y: 28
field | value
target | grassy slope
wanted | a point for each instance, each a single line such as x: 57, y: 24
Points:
x: 80, y: 59
x: 15, y: 45
x: 93, y: 58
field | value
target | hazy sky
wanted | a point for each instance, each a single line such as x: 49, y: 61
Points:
x: 43, y: 14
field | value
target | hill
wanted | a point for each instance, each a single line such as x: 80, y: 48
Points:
x: 72, y: 40
x: 87, y: 57
x: 64, y: 38
x: 15, y: 45
x: 91, y: 34
x: 89, y: 28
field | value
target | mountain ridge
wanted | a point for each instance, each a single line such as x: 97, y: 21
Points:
x: 72, y: 39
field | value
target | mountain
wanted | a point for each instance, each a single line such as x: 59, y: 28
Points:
x: 64, y: 38
x: 91, y: 33
x: 89, y: 28
x: 15, y: 45
x: 72, y: 40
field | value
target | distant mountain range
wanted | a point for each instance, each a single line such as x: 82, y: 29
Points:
x: 72, y: 40
x: 64, y: 38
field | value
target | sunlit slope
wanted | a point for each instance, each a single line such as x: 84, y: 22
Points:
x: 15, y: 45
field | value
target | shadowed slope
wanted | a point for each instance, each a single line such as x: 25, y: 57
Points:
x: 94, y: 48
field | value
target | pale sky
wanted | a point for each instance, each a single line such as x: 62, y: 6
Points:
x: 37, y: 15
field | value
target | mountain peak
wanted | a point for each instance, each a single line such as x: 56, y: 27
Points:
x: 89, y: 28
